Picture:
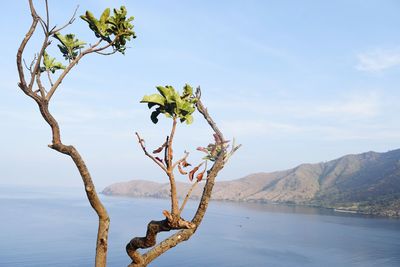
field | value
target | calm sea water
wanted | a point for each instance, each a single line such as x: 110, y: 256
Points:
x: 43, y: 227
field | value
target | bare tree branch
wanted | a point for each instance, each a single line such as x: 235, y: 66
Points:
x: 188, y: 195
x: 62, y: 76
x: 74, y: 62
x: 170, y: 171
x: 47, y: 16
x: 169, y: 145
x: 41, y: 88
x: 207, y: 116
x: 35, y: 18
x: 181, y: 160
x: 166, y: 150
x: 233, y: 150
x: 49, y: 77
x: 39, y: 58
x: 44, y: 25
x: 141, y: 142
x: 185, y: 234
x: 71, y: 20
x: 31, y: 65
x: 107, y: 54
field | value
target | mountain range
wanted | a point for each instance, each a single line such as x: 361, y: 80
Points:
x: 365, y: 183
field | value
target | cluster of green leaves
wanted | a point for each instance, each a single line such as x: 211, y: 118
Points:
x: 117, y: 27
x: 50, y: 64
x: 69, y: 45
x: 172, y: 104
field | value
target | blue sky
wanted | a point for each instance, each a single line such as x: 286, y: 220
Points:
x: 293, y: 81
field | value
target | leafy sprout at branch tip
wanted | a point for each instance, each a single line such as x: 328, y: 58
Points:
x: 169, y: 102
x: 69, y: 45
x: 50, y: 64
x: 116, y: 29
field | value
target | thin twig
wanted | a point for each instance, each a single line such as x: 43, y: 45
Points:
x: 41, y: 88
x: 188, y: 196
x: 49, y: 77
x: 22, y: 82
x: 47, y: 16
x: 33, y: 62
x: 39, y: 58
x: 166, y: 151
x: 181, y: 160
x: 96, y: 44
x: 107, y: 54
x: 62, y: 76
x: 44, y: 26
x: 74, y: 62
x: 171, y: 138
x: 30, y: 66
x: 72, y: 19
x: 233, y: 150
x: 141, y: 142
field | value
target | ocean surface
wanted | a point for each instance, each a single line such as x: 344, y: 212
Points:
x: 56, y: 227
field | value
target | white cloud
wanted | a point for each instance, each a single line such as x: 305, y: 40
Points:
x: 258, y: 128
x: 378, y: 60
x: 247, y: 130
x: 360, y: 105
x: 346, y: 117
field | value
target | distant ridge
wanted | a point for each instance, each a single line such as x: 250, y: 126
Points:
x: 366, y: 183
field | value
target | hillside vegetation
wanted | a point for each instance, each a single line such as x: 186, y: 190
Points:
x: 366, y: 183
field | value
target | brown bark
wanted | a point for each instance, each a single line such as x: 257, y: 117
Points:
x: 104, y: 221
x: 42, y: 100
x: 185, y: 200
x: 170, y: 171
x: 154, y: 227
x: 184, y: 235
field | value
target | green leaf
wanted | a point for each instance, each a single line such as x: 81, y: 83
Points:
x: 69, y: 45
x: 187, y: 107
x: 189, y: 119
x: 177, y: 99
x: 99, y: 27
x: 154, y: 99
x: 167, y: 92
x: 116, y: 29
x: 50, y: 64
x: 154, y: 116
x: 104, y: 16
x: 172, y: 104
x: 187, y: 91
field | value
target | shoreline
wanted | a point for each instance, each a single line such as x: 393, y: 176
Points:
x: 337, y: 210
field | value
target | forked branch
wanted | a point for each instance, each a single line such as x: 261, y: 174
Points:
x: 71, y: 20
x: 42, y: 98
x: 154, y: 227
x: 157, y: 161
x: 181, y: 160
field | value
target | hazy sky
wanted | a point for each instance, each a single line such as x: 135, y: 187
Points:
x: 293, y: 81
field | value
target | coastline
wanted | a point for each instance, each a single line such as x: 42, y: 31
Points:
x: 338, y: 210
